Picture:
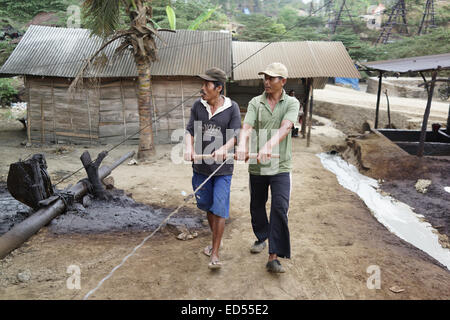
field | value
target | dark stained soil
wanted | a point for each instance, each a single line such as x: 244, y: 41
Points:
x: 119, y: 213
x: 434, y: 205
x: 11, y: 210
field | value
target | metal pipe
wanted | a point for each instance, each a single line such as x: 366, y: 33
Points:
x: 24, y: 230
x: 231, y: 155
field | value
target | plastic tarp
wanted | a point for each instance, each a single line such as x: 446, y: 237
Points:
x: 348, y: 81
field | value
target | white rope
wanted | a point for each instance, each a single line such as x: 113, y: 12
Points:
x: 151, y: 235
x: 131, y: 254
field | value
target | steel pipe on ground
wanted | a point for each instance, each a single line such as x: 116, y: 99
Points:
x: 20, y: 233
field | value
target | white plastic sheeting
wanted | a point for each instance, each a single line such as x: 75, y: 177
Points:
x: 396, y: 216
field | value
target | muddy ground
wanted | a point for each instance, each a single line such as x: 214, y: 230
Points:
x: 334, y: 239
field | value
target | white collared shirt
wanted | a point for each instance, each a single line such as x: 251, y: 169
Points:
x: 226, y: 105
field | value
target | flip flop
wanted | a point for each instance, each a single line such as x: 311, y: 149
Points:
x: 214, y: 265
x: 207, y: 251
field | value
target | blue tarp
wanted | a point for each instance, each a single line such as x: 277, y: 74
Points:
x: 351, y: 81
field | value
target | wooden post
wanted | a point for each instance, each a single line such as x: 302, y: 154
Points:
x: 308, y: 138
x: 182, y: 104
x: 71, y: 122
x: 154, y: 110
x: 122, y: 99
x: 53, y: 110
x: 89, y: 114
x: 388, y: 109
x: 380, y: 80
x: 305, y: 102
x: 423, y: 132
x: 42, y: 122
x: 28, y: 111
x: 168, y: 119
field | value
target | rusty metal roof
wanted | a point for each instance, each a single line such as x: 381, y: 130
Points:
x: 413, y: 64
x: 61, y: 52
x: 303, y: 59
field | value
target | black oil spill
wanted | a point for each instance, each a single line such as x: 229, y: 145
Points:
x: 119, y: 213
x: 12, y: 211
x: 434, y: 205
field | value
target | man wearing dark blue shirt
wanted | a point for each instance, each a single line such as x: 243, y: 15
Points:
x: 212, y: 130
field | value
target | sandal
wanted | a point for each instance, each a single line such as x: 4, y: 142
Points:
x: 207, y: 251
x: 214, y: 265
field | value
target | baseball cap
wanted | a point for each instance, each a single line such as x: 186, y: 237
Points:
x: 214, y: 74
x: 275, y: 69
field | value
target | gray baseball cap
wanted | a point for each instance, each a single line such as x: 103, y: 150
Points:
x: 214, y: 74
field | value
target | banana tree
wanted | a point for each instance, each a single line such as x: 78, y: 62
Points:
x: 103, y: 18
x: 172, y: 18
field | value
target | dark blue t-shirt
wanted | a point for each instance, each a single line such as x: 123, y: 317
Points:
x: 211, y: 134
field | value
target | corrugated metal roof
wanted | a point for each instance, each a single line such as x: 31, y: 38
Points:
x: 61, y: 52
x: 413, y: 64
x: 303, y: 59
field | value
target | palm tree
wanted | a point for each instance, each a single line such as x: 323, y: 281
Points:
x: 103, y: 19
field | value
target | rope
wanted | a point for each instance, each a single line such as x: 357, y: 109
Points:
x: 151, y: 235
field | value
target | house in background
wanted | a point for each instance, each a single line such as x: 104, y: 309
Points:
x: 374, y: 16
x: 305, y: 61
x: 105, y: 108
x: 309, y: 63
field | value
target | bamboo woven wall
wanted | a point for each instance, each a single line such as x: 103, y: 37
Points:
x: 54, y: 117
x: 106, y: 112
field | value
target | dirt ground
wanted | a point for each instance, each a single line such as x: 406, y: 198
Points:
x: 335, y: 239
x: 408, y: 106
x: 349, y: 109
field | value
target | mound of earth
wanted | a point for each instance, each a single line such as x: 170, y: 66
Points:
x: 398, y: 172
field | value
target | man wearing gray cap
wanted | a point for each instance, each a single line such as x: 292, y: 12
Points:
x: 212, y: 130
x: 268, y: 123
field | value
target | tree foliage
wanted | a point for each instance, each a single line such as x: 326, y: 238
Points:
x: 435, y: 42
x: 258, y: 27
x: 7, y: 91
x: 271, y: 20
x: 25, y: 10
x: 187, y: 13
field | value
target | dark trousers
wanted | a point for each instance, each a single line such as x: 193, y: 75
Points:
x: 276, y: 229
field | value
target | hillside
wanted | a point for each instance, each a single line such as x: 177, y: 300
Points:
x: 254, y: 20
